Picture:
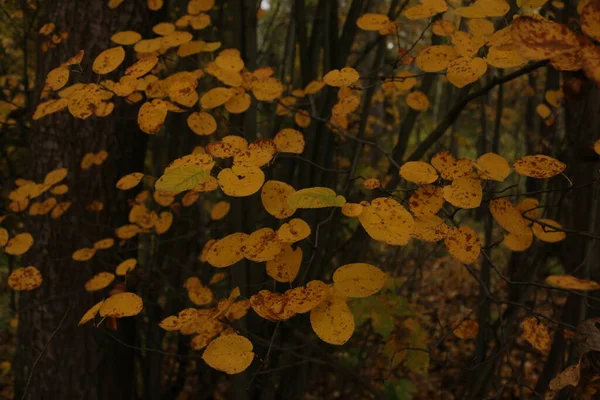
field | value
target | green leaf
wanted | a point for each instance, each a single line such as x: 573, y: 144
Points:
x: 316, y: 197
x: 179, y: 179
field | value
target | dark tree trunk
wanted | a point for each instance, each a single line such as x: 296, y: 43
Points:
x: 54, y: 357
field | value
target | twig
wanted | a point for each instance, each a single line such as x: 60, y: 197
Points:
x: 37, y: 360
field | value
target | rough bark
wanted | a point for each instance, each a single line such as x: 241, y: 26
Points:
x: 54, y: 357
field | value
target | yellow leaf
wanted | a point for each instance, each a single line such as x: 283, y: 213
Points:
x: 358, y: 280
x: 372, y: 22
x: 316, y: 197
x: 200, y: 21
x: 417, y: 100
x: 463, y: 244
x: 152, y: 115
x: 435, y: 58
x: 262, y: 245
x: 465, y: 70
x: 176, y: 38
x: 371, y: 183
x: 451, y: 168
x: 520, y: 242
x: 285, y: 266
x: 84, y: 101
x: 314, y: 87
x: 19, y: 244
x: 126, y: 38
x: 75, y: 60
x: 163, y: 28
x: 84, y: 254
x: 352, y: 209
x: 127, y: 231
x: 543, y: 110
x: 293, y: 231
x: 303, y: 299
x: 464, y: 193
x: 506, y: 56
x: 27, y: 278
x: 302, y: 118
x: 387, y: 221
x: 216, y: 97
x: 56, y: 176
x: 227, y: 147
x: 492, y: 167
x: 231, y: 354
x: 3, y: 237
x: 271, y: 306
x: 289, y: 141
x: 130, y: 181
x: 108, y: 60
x: 155, y: 5
x: 148, y: 45
x: 332, y: 320
x: 99, y: 281
x: 57, y: 78
x: 430, y: 228
x: 91, y: 313
x: 122, y: 305
x: 426, y: 200
x: 418, y: 172
x: 241, y: 180
x: 198, y: 293
x: 531, y: 3
x: 341, y: 78
x: 545, y: 232
x: 536, y: 333
x: 104, y: 244
x: 267, y: 89
x: 481, y: 27
x: 226, y: 251
x: 202, y: 123
x: 466, y: 330
x: 258, y: 153
x: 60, y: 209
x: 443, y: 27
x: 539, y: 166
x: 196, y: 6
x: 163, y: 223
x: 124, y: 267
x: 49, y: 107
x: 466, y: 44
x: 274, y: 196
x: 141, y: 67
x: 508, y: 217
x: 238, y: 103
x: 540, y: 39
x: 219, y: 210
x: 571, y: 282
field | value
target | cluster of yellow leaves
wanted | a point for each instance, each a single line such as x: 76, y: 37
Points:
x: 87, y: 253
x: 243, y: 178
x: 118, y: 305
x: 21, y: 197
x: 90, y: 159
x: 52, y: 38
x: 17, y: 245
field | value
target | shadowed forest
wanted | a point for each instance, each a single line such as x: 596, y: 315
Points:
x: 299, y: 199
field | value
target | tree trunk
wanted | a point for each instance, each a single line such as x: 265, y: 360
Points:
x: 54, y: 357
